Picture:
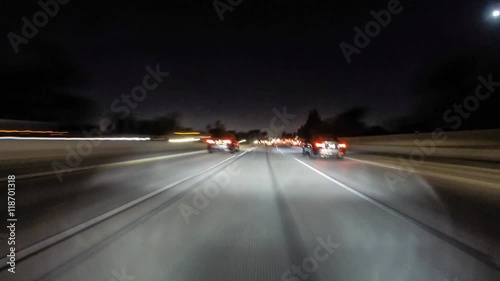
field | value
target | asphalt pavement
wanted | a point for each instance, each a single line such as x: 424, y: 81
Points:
x: 265, y: 213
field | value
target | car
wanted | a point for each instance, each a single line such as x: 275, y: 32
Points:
x: 226, y: 142
x: 324, y: 147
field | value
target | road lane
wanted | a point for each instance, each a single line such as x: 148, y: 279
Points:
x: 46, y: 206
x: 267, y: 222
x: 32, y: 157
x: 375, y: 245
x: 465, y: 213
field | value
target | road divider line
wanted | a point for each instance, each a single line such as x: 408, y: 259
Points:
x: 479, y: 255
x: 352, y: 190
x: 280, y: 150
x: 107, y: 165
x: 76, y: 229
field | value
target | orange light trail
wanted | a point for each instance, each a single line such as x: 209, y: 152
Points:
x: 32, y: 132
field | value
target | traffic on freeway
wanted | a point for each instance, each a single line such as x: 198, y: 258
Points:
x: 265, y: 213
x: 236, y: 140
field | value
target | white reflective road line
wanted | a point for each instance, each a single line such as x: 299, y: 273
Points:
x: 352, y: 190
x: 107, y: 165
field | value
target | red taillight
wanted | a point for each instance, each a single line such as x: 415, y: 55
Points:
x: 227, y: 141
x: 342, y: 145
x: 210, y: 141
x: 319, y: 144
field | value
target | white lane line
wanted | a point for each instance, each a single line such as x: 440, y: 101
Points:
x: 67, y: 233
x: 107, y: 165
x: 280, y: 150
x: 477, y: 254
x: 352, y: 190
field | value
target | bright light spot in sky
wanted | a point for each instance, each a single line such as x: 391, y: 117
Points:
x: 496, y: 13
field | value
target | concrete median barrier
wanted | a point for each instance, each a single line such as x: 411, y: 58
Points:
x: 39, y: 149
x: 481, y: 145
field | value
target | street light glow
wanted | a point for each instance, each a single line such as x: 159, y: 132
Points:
x: 496, y: 13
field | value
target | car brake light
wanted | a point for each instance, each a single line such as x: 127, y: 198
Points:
x: 319, y: 144
x: 210, y: 141
x: 342, y: 145
x: 227, y: 141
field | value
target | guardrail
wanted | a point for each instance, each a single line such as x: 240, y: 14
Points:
x: 483, y: 145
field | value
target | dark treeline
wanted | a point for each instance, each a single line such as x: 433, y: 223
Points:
x: 460, y: 92
x: 158, y: 126
x: 219, y: 129
x: 40, y: 85
x: 347, y: 124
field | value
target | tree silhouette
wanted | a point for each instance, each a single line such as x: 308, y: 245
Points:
x: 313, y: 126
x: 346, y: 124
x: 218, y: 129
x: 349, y: 123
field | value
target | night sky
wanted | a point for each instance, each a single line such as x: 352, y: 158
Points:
x: 264, y: 55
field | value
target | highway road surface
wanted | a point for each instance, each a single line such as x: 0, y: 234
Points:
x: 265, y: 213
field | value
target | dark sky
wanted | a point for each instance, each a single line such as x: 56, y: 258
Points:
x: 264, y: 55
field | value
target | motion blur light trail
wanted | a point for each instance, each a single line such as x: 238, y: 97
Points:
x: 74, y: 138
x: 186, y: 133
x: 184, y: 140
x: 32, y: 132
